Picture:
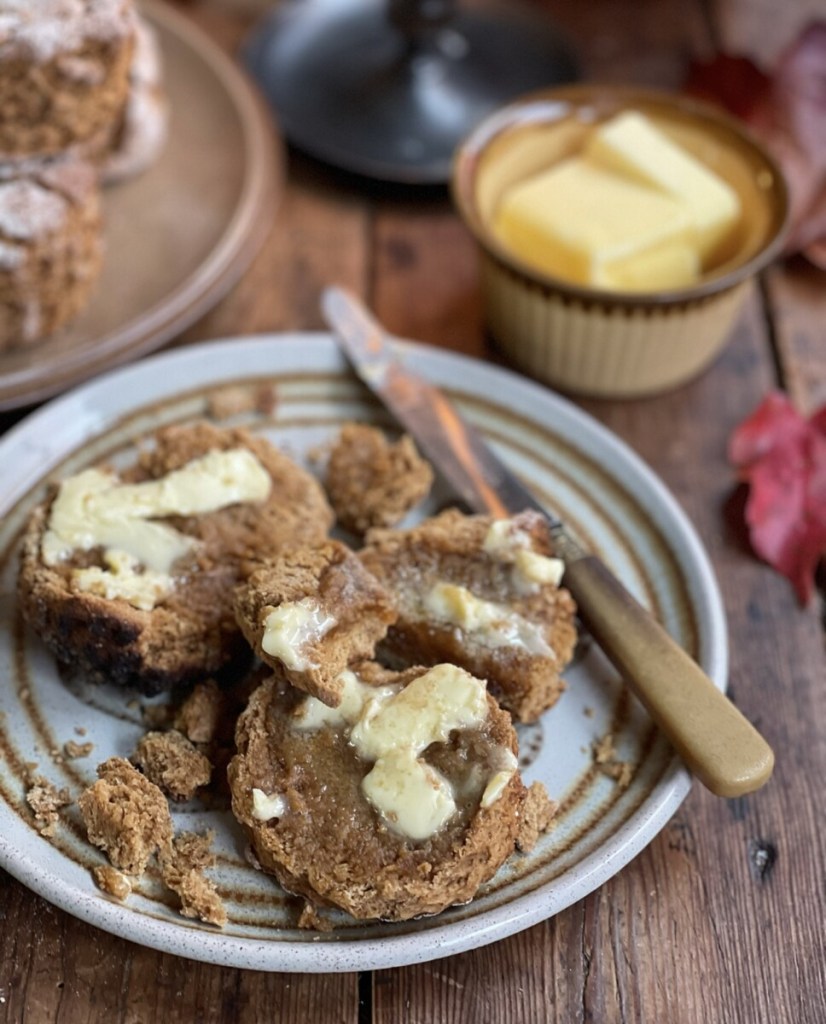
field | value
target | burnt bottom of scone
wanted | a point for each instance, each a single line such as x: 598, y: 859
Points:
x: 173, y: 645
x: 331, y: 846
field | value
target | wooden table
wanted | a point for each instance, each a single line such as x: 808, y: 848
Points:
x: 723, y: 917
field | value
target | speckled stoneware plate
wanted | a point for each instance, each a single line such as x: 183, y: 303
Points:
x: 587, y: 476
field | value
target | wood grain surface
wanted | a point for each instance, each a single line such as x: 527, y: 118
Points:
x: 721, y: 919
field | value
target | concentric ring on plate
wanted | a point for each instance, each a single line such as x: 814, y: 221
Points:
x: 612, y: 501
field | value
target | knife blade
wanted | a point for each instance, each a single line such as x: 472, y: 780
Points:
x: 716, y: 742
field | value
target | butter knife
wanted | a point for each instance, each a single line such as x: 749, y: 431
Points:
x: 716, y: 742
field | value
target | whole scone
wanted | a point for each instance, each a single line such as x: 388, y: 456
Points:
x: 64, y: 72
x: 400, y: 802
x: 50, y: 246
x: 142, y: 127
x: 130, y: 578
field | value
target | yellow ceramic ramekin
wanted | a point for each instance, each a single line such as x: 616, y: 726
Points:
x: 594, y: 341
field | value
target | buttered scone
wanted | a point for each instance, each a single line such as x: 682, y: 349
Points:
x: 483, y: 594
x: 311, y: 612
x: 129, y: 577
x: 400, y: 802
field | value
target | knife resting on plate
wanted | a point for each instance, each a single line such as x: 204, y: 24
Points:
x: 716, y: 742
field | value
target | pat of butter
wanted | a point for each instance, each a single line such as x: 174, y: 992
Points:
x: 507, y: 542
x: 424, y: 712
x: 267, y: 806
x: 291, y: 628
x: 578, y: 218
x: 671, y: 265
x: 486, y: 622
x: 499, y: 780
x: 392, y: 726
x: 632, y: 145
x: 411, y: 796
x: 94, y: 509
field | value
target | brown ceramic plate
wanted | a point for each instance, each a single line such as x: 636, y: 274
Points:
x: 177, y: 237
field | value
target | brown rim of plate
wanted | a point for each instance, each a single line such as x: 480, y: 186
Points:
x: 548, y: 105
x: 243, y: 236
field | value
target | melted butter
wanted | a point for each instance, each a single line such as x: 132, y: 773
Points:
x: 291, y: 628
x: 121, y: 579
x: 94, y: 509
x: 506, y: 542
x: 424, y: 712
x: 410, y: 795
x: 313, y: 714
x: 392, y: 726
x: 486, y: 622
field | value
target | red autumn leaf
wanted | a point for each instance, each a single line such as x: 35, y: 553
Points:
x: 787, y: 110
x: 782, y: 456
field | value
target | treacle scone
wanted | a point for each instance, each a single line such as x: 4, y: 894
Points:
x: 400, y: 802
x: 64, y: 72
x: 50, y: 246
x: 129, y: 577
x: 141, y: 130
x: 312, y: 612
x: 483, y: 594
x: 373, y: 482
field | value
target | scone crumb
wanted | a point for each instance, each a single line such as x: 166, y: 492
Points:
x: 126, y: 815
x: 538, y: 812
x: 605, y: 758
x: 173, y: 763
x: 74, y: 750
x: 182, y: 871
x: 45, y: 800
x: 373, y: 482
x: 235, y: 399
x: 604, y: 751
x: 200, y: 714
x: 111, y: 881
x: 311, y: 920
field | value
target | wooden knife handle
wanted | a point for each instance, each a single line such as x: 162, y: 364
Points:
x: 717, y: 743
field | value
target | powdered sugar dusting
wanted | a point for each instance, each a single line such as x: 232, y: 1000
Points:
x: 145, y: 119
x: 27, y: 210
x: 41, y: 29
x: 11, y: 256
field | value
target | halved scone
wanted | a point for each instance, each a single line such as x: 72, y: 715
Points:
x: 400, y: 802
x: 129, y: 576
